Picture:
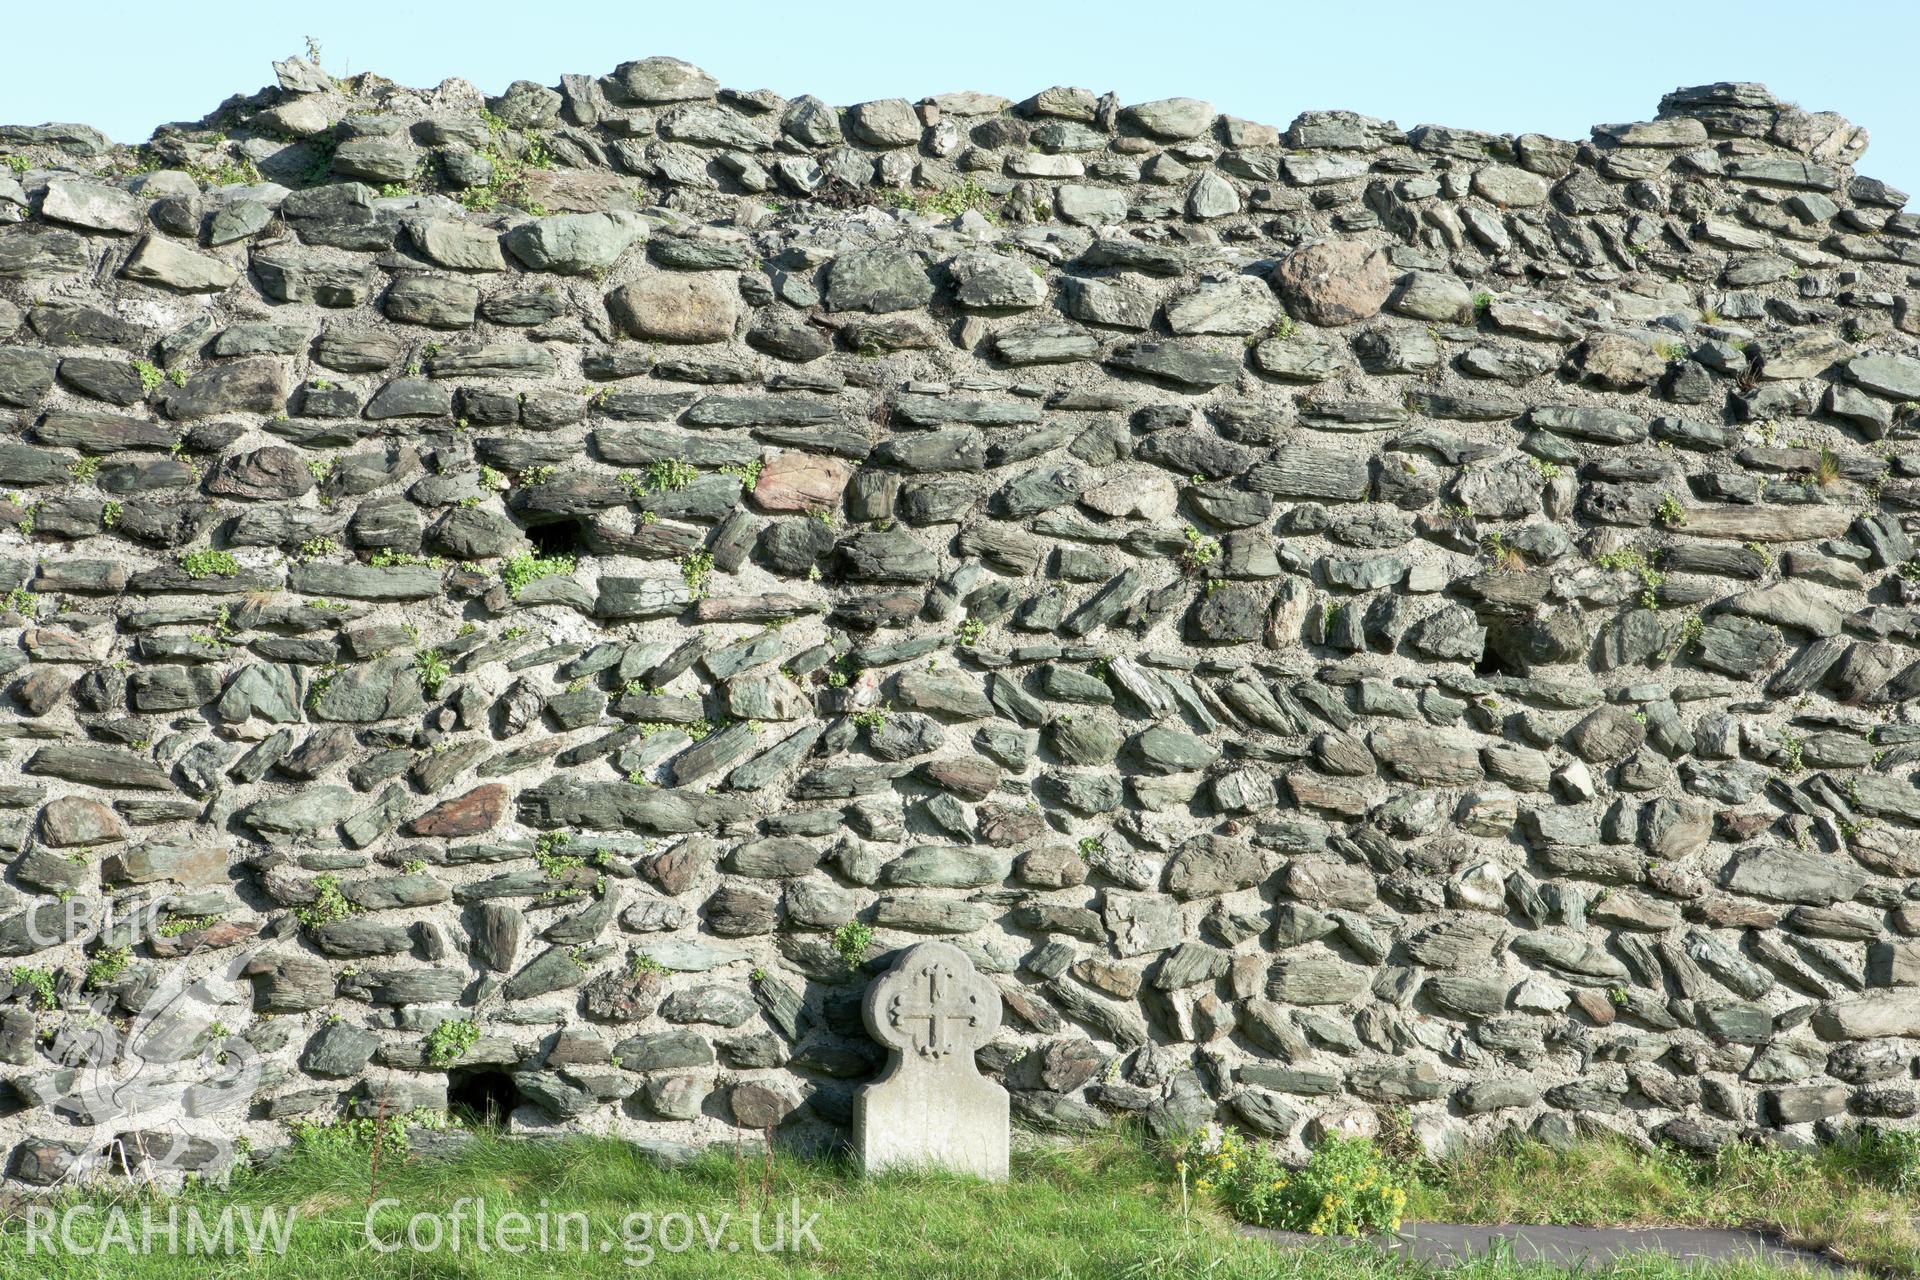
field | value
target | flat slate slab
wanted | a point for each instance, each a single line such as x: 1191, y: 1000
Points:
x: 1447, y: 1244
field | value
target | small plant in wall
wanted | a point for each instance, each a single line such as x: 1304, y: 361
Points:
x: 695, y: 568
x: 851, y: 941
x: 1792, y: 752
x: 329, y: 903
x: 107, y: 966
x: 39, y: 986
x: 431, y: 666
x: 747, y: 473
x: 449, y: 1041
x: 208, y: 563
x: 667, y: 476
x: 1201, y: 550
x: 1826, y: 471
x: 526, y: 568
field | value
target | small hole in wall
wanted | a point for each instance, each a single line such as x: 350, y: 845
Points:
x: 560, y: 538
x: 482, y: 1097
x: 1493, y: 664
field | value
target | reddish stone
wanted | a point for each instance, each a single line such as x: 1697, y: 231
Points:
x: 42, y: 689
x: 800, y: 482
x: 1212, y: 1018
x: 1740, y: 826
x: 968, y: 779
x: 757, y: 1105
x: 78, y: 820
x: 214, y: 937
x: 674, y: 870
x: 1002, y: 826
x: 1335, y: 282
x: 1721, y: 911
x: 1036, y: 1013
x: 468, y: 815
x: 1596, y: 1005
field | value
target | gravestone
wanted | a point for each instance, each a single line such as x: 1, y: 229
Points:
x: 932, y: 1108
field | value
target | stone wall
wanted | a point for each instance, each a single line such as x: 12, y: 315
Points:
x: 531, y: 600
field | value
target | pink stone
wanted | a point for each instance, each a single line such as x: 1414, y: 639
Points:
x: 466, y: 815
x: 800, y: 482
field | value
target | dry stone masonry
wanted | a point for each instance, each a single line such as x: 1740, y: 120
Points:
x: 531, y: 602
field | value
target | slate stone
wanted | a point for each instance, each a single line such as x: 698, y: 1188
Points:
x: 384, y: 689
x: 287, y: 275
x: 574, y: 243
x: 457, y: 246
x: 1309, y: 979
x: 555, y: 969
x: 100, y: 766
x: 26, y: 375
x: 1431, y: 756
x: 1170, y: 119
x: 36, y: 254
x: 877, y: 281
x: 435, y: 301
x: 1738, y: 647
x: 243, y: 386
x: 309, y: 812
x: 272, y: 473
x: 93, y: 206
x: 1789, y: 875
x: 1196, y: 368
x: 165, y: 263
x: 716, y: 1005
x: 663, y: 1051
x: 1231, y: 613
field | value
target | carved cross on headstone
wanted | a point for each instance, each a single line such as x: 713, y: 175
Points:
x: 932, y: 1108
x: 940, y: 1000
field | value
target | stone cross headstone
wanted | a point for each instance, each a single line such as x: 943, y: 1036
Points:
x: 932, y: 1108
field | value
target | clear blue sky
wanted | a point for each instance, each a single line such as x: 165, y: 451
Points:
x: 1545, y: 66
